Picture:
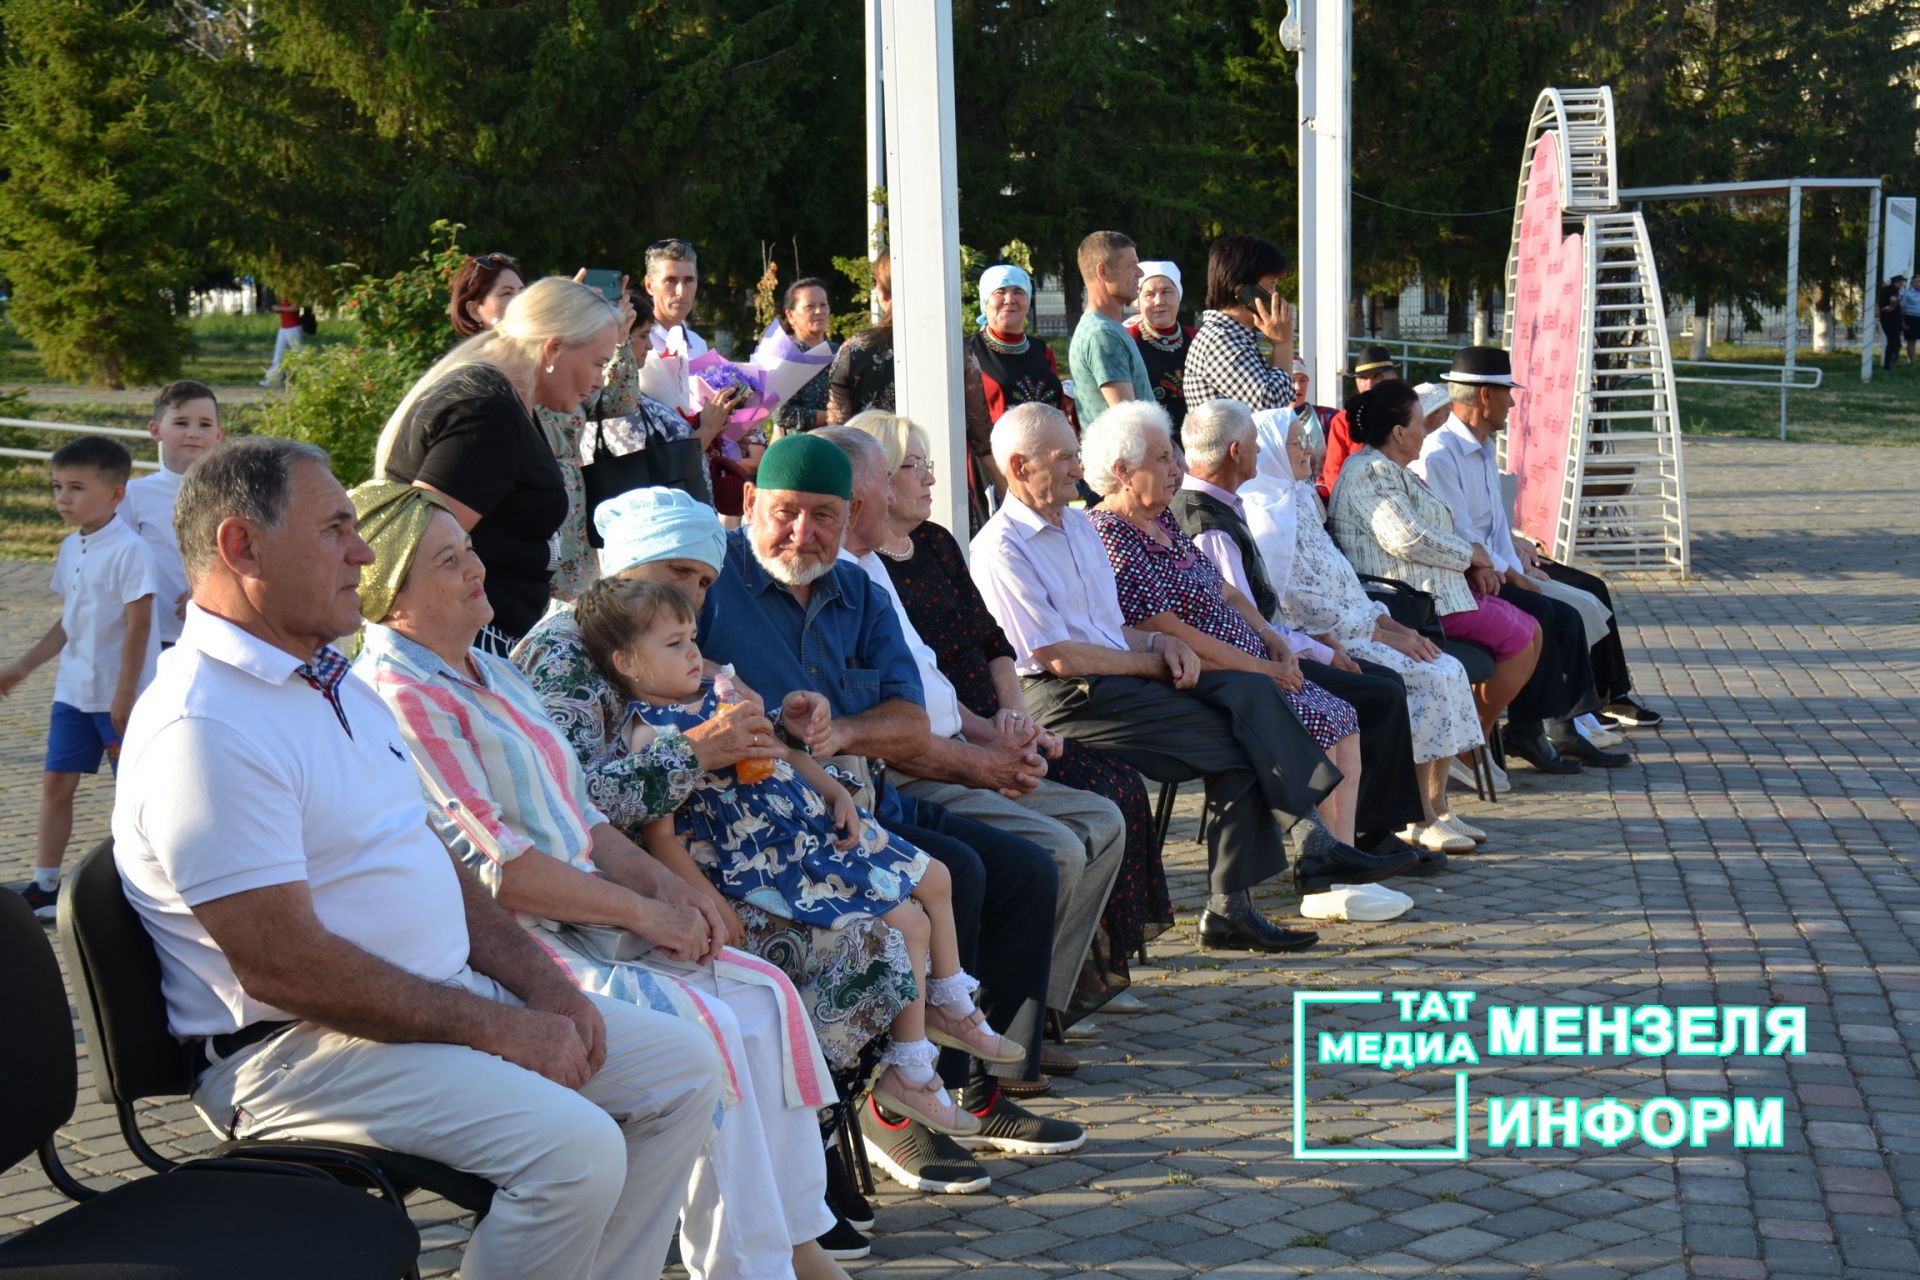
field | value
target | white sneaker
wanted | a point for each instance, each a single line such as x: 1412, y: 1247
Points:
x: 1462, y: 777
x: 1596, y: 733
x: 1461, y: 827
x: 1437, y: 837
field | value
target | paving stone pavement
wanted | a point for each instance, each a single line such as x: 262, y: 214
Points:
x: 1759, y: 852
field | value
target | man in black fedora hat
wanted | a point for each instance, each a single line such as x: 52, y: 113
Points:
x: 1374, y: 366
x: 1583, y: 664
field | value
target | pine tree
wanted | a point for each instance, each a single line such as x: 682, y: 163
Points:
x: 99, y: 192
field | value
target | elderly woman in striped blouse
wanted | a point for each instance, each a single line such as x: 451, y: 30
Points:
x: 508, y: 797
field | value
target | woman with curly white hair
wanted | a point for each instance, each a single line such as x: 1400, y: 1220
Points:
x: 467, y: 431
x: 1167, y: 585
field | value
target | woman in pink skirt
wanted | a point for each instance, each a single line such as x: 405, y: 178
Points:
x: 1392, y: 526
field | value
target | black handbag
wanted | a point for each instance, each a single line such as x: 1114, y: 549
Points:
x: 669, y: 464
x: 1409, y: 606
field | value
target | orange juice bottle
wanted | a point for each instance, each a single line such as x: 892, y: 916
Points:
x: 748, y: 771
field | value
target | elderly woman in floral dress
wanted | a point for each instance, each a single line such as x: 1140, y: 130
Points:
x: 1167, y: 585
x: 508, y: 797
x: 1321, y: 594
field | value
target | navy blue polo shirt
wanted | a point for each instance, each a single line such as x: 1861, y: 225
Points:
x: 845, y: 642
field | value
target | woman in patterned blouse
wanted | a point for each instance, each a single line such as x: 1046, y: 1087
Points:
x: 849, y: 977
x: 1166, y: 584
x: 1243, y: 305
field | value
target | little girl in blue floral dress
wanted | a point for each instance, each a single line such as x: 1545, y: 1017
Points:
x: 795, y: 845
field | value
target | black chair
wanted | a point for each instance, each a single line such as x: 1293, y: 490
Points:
x: 215, y: 1219
x: 116, y: 979
x: 1411, y: 607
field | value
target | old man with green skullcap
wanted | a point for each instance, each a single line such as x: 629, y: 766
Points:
x: 790, y: 612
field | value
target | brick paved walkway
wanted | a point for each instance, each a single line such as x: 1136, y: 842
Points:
x: 1758, y: 853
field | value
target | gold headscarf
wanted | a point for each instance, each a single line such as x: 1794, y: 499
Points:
x: 393, y: 519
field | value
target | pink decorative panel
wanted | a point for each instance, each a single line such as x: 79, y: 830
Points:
x: 1549, y: 307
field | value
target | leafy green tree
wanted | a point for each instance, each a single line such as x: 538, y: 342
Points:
x: 100, y: 189
x: 340, y: 397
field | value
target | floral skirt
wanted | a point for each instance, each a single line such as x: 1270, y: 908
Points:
x: 854, y: 980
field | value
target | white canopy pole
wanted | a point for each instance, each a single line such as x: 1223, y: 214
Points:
x: 1869, y: 315
x: 923, y: 220
x: 1326, y: 192
x: 1793, y: 298
x: 1307, y: 339
x: 876, y: 131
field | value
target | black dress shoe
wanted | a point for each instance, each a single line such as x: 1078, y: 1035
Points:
x: 1250, y: 931
x: 1537, y: 750
x: 1325, y: 862
x: 1574, y: 747
x: 1427, y: 862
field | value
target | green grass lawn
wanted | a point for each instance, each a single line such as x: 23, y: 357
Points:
x: 227, y: 350
x: 1842, y: 410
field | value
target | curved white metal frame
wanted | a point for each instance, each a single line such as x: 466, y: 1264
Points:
x: 1623, y: 502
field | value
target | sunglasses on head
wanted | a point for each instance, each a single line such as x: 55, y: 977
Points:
x: 494, y: 262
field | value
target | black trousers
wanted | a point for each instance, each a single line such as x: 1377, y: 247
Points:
x: 1611, y: 680
x: 1389, y: 793
x: 1562, y: 685
x: 1232, y: 728
x: 1004, y: 887
x: 1890, y: 326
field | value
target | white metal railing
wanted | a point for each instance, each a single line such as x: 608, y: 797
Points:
x: 1785, y: 380
x: 72, y: 428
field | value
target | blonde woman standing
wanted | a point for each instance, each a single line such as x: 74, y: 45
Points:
x: 467, y: 431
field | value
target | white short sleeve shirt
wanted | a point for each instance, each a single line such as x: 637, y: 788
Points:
x: 98, y: 575
x: 236, y: 774
x: 941, y: 698
x: 149, y: 509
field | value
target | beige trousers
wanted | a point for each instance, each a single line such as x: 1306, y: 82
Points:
x: 590, y: 1181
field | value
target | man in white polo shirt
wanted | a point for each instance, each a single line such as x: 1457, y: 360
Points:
x: 337, y: 970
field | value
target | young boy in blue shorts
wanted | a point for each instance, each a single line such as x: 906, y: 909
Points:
x: 104, y: 638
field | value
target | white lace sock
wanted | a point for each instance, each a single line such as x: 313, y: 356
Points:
x: 915, y: 1058
x: 953, y: 993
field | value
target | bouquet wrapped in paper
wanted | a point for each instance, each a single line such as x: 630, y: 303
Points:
x: 779, y: 367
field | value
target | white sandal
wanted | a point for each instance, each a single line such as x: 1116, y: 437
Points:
x: 1438, y: 838
x: 1461, y: 827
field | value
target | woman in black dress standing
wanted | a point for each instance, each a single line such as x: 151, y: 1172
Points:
x: 467, y: 431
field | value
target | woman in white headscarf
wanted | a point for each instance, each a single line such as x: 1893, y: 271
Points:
x: 1321, y: 594
x: 1161, y: 337
x: 1015, y: 368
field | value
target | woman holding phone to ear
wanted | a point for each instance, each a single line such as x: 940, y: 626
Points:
x: 1243, y: 305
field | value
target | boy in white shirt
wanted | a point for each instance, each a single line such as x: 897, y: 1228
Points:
x: 104, y: 639
x: 186, y: 424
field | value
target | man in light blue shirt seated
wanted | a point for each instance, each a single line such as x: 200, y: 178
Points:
x: 1574, y: 609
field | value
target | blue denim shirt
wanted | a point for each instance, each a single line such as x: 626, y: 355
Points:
x: 845, y: 642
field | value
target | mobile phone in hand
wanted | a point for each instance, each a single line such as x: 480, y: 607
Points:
x: 606, y: 282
